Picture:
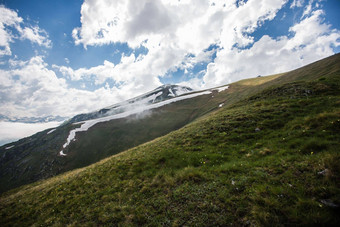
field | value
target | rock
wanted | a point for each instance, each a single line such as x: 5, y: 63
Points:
x: 257, y: 129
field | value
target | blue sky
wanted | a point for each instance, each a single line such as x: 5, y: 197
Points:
x: 68, y: 57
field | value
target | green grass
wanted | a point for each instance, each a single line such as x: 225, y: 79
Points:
x: 36, y: 157
x: 253, y: 162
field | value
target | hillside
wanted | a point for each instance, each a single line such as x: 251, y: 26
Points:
x: 271, y: 159
x: 38, y: 157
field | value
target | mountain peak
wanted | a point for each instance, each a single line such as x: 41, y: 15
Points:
x: 161, y: 93
x: 172, y: 86
x: 173, y: 90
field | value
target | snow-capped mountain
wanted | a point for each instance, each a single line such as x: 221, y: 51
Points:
x: 159, y: 94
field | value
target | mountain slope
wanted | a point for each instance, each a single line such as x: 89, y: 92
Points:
x: 144, y: 118
x: 37, y: 157
x: 269, y: 159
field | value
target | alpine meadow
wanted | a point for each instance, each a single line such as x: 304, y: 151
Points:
x: 269, y: 156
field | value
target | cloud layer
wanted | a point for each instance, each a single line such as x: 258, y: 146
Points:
x: 174, y: 30
x: 12, y: 131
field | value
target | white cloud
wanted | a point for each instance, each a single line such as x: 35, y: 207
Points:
x: 170, y: 30
x: 203, y: 24
x: 101, y: 72
x: 190, y: 25
x: 10, y: 20
x: 31, y: 89
x: 311, y: 40
x: 241, y: 22
x: 297, y: 3
x: 133, y: 78
x: 12, y: 131
x: 151, y: 17
x: 174, y: 30
x: 36, y: 35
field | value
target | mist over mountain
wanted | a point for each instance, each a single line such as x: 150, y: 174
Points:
x: 159, y: 94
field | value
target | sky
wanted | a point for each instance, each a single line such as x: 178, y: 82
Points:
x: 65, y: 57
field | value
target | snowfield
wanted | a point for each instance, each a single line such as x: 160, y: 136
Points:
x: 220, y: 89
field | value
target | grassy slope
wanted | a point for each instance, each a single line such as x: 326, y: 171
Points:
x: 36, y: 157
x: 218, y: 170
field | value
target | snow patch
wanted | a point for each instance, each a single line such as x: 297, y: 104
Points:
x: 152, y: 97
x: 171, y: 93
x: 220, y: 89
x: 7, y: 148
x: 181, y: 91
x: 49, y: 132
x: 88, y: 124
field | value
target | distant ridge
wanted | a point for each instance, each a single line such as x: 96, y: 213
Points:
x: 32, y: 119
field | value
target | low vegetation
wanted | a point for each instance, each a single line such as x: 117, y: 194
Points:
x: 271, y: 159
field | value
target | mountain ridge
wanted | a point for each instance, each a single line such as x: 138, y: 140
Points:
x: 159, y: 94
x: 32, y: 119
